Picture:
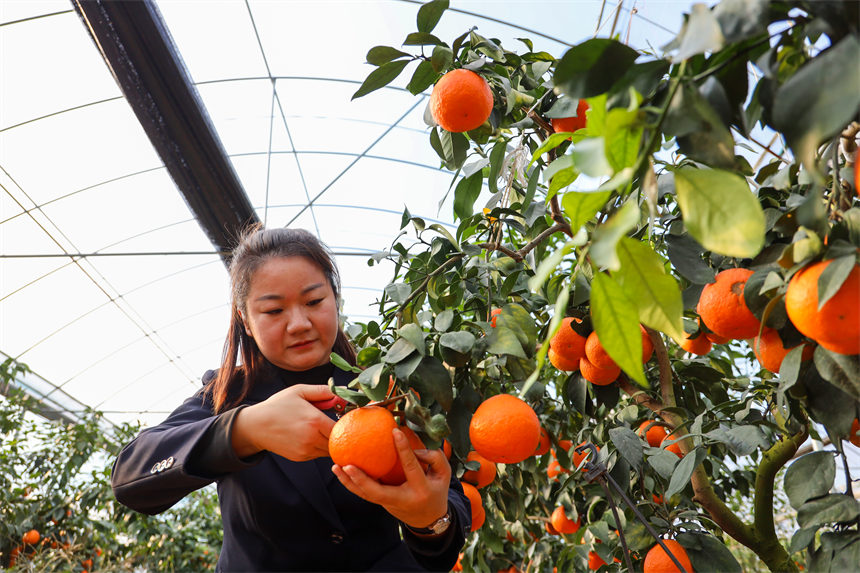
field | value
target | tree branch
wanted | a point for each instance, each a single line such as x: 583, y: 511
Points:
x: 426, y: 280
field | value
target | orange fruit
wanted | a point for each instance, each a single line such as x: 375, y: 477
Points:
x: 657, y: 498
x: 596, y: 354
x: 461, y: 101
x: 483, y: 476
x: 494, y: 314
x: 655, y: 434
x: 854, y: 435
x: 561, y: 523
x: 553, y: 469
x: 550, y: 529
x: 595, y: 562
x: 446, y: 448
x: 544, y: 443
x: 567, y: 345
x: 700, y: 345
x: 562, y: 363
x: 836, y: 326
x: 658, y: 561
x: 32, y: 537
x: 597, y: 375
x: 769, y: 350
x: 477, y: 505
x: 504, y: 429
x: 722, y: 306
x: 395, y: 475
x: 577, y: 458
x: 647, y: 345
x: 716, y: 338
x: 560, y: 124
x: 363, y: 438
x: 458, y: 566
x: 670, y: 444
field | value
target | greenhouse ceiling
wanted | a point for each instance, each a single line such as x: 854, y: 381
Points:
x: 112, y: 284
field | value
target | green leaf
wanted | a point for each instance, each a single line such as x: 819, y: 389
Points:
x: 628, y: 444
x: 589, y: 156
x: 841, y: 370
x: 809, y: 477
x: 622, y: 133
x: 683, y: 472
x: 368, y: 356
x: 590, y: 68
x: 502, y: 340
x: 643, y: 277
x: 605, y: 237
x: 431, y: 378
x: 413, y: 333
x: 379, y: 55
x: 466, y: 194
x: 369, y: 382
x: 454, y: 147
x: 582, y: 207
x: 461, y: 341
x: 700, y: 132
x: 497, y: 158
x: 442, y: 58
x: 563, y: 107
x: 380, y: 77
x: 444, y: 320
x: 833, y: 276
x: 807, y: 112
x: 700, y: 33
x: 616, y: 322
x: 664, y: 463
x: 833, y: 508
x: 341, y: 363
x: 801, y: 539
x: 720, y: 211
x: 422, y: 79
x: 707, y: 553
x: 518, y: 319
x: 422, y: 39
x: 398, y: 292
x: 398, y: 351
x: 741, y: 19
x: 742, y: 440
x: 430, y: 13
x: 551, y: 143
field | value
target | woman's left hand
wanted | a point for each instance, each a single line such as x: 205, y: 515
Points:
x: 417, y: 502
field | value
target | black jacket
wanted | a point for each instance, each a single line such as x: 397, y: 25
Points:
x: 278, y: 515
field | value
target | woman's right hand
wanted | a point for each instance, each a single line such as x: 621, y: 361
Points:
x: 286, y: 424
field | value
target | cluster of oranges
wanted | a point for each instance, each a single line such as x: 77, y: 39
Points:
x: 570, y: 351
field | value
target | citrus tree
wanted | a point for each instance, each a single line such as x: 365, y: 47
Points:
x: 57, y: 510
x: 626, y: 266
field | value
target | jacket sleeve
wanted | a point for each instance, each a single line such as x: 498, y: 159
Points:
x: 440, y: 553
x: 187, y: 451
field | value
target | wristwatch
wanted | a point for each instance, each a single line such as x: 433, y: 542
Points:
x: 438, y: 527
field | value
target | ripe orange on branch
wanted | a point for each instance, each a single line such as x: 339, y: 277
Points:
x: 836, y: 326
x: 561, y: 523
x: 699, y: 346
x: 483, y: 476
x: 658, y: 561
x: 722, y: 306
x: 596, y: 375
x: 504, y: 429
x: 363, y: 438
x: 770, y: 351
x: 461, y: 101
x: 854, y: 434
x: 655, y: 434
x: 560, y: 124
x: 31, y: 537
x: 596, y: 354
x: 476, y: 504
x: 566, y: 346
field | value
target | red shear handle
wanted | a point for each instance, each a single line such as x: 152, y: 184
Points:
x: 335, y: 403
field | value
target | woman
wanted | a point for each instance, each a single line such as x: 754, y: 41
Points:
x: 254, y: 431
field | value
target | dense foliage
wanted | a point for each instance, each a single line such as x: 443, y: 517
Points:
x: 624, y: 222
x: 55, y: 479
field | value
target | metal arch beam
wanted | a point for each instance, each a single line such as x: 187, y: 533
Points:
x: 137, y: 47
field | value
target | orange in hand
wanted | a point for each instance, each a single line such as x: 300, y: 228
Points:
x: 363, y: 438
x: 396, y: 475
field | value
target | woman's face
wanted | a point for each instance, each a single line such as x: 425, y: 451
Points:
x: 292, y: 313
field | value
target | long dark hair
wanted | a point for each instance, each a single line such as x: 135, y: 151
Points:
x: 256, y: 246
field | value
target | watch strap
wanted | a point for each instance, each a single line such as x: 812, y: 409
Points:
x: 436, y: 528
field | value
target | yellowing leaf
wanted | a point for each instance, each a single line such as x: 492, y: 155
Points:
x: 720, y: 211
